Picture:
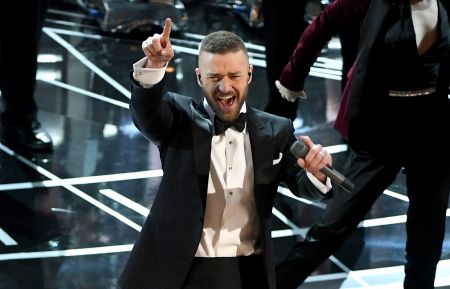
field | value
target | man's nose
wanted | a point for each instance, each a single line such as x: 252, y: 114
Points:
x: 225, y: 84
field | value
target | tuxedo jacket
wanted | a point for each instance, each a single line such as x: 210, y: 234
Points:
x: 360, y: 107
x: 166, y: 246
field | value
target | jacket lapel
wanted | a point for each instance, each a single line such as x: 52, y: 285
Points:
x: 202, y: 132
x: 261, y: 139
x: 376, y: 14
x: 370, y: 29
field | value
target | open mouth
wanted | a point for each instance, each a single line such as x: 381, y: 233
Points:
x: 226, y: 101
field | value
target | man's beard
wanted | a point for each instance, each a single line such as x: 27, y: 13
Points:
x: 216, y: 108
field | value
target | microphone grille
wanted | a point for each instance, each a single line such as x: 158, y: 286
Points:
x: 299, y: 149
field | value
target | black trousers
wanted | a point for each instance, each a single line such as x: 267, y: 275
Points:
x: 427, y: 167
x: 246, y: 272
x: 428, y: 196
x: 283, y: 25
x: 18, y: 59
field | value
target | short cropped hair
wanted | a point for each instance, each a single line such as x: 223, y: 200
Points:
x: 222, y: 42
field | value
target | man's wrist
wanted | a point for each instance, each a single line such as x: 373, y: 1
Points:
x: 145, y: 76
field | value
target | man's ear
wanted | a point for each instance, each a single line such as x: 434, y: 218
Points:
x: 250, y: 73
x: 199, y: 77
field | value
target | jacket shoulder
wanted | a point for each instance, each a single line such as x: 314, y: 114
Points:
x: 265, y: 116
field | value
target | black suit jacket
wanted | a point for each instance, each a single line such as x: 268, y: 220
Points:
x: 165, y: 248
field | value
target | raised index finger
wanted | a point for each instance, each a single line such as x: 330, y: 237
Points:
x: 166, y: 32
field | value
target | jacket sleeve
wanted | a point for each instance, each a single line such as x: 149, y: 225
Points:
x: 291, y: 175
x: 336, y: 17
x: 153, y: 112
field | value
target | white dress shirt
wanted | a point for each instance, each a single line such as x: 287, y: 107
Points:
x: 231, y: 224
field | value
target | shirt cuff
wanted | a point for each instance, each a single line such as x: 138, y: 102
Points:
x: 323, y: 188
x: 147, y: 77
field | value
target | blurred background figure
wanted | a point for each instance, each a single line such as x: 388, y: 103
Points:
x: 284, y: 23
x: 18, y: 65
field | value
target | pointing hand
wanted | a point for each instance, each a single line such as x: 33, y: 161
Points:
x: 157, y: 48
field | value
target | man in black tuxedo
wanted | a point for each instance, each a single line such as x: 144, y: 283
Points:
x: 210, y: 223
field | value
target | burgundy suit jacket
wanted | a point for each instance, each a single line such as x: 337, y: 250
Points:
x: 369, y: 16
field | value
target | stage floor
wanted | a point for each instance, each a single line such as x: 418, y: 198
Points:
x: 68, y: 219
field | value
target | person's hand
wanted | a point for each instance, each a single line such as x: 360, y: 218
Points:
x: 157, y: 48
x: 316, y: 158
x: 289, y: 95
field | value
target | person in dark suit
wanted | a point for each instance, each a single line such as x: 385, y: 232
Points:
x: 19, y: 125
x: 284, y: 23
x: 210, y: 223
x: 395, y: 108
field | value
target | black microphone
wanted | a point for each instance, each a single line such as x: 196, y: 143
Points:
x: 299, y: 150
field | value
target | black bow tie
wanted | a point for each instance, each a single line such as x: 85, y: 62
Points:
x: 221, y: 126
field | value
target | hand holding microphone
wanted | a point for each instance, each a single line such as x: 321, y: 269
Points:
x: 300, y: 150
